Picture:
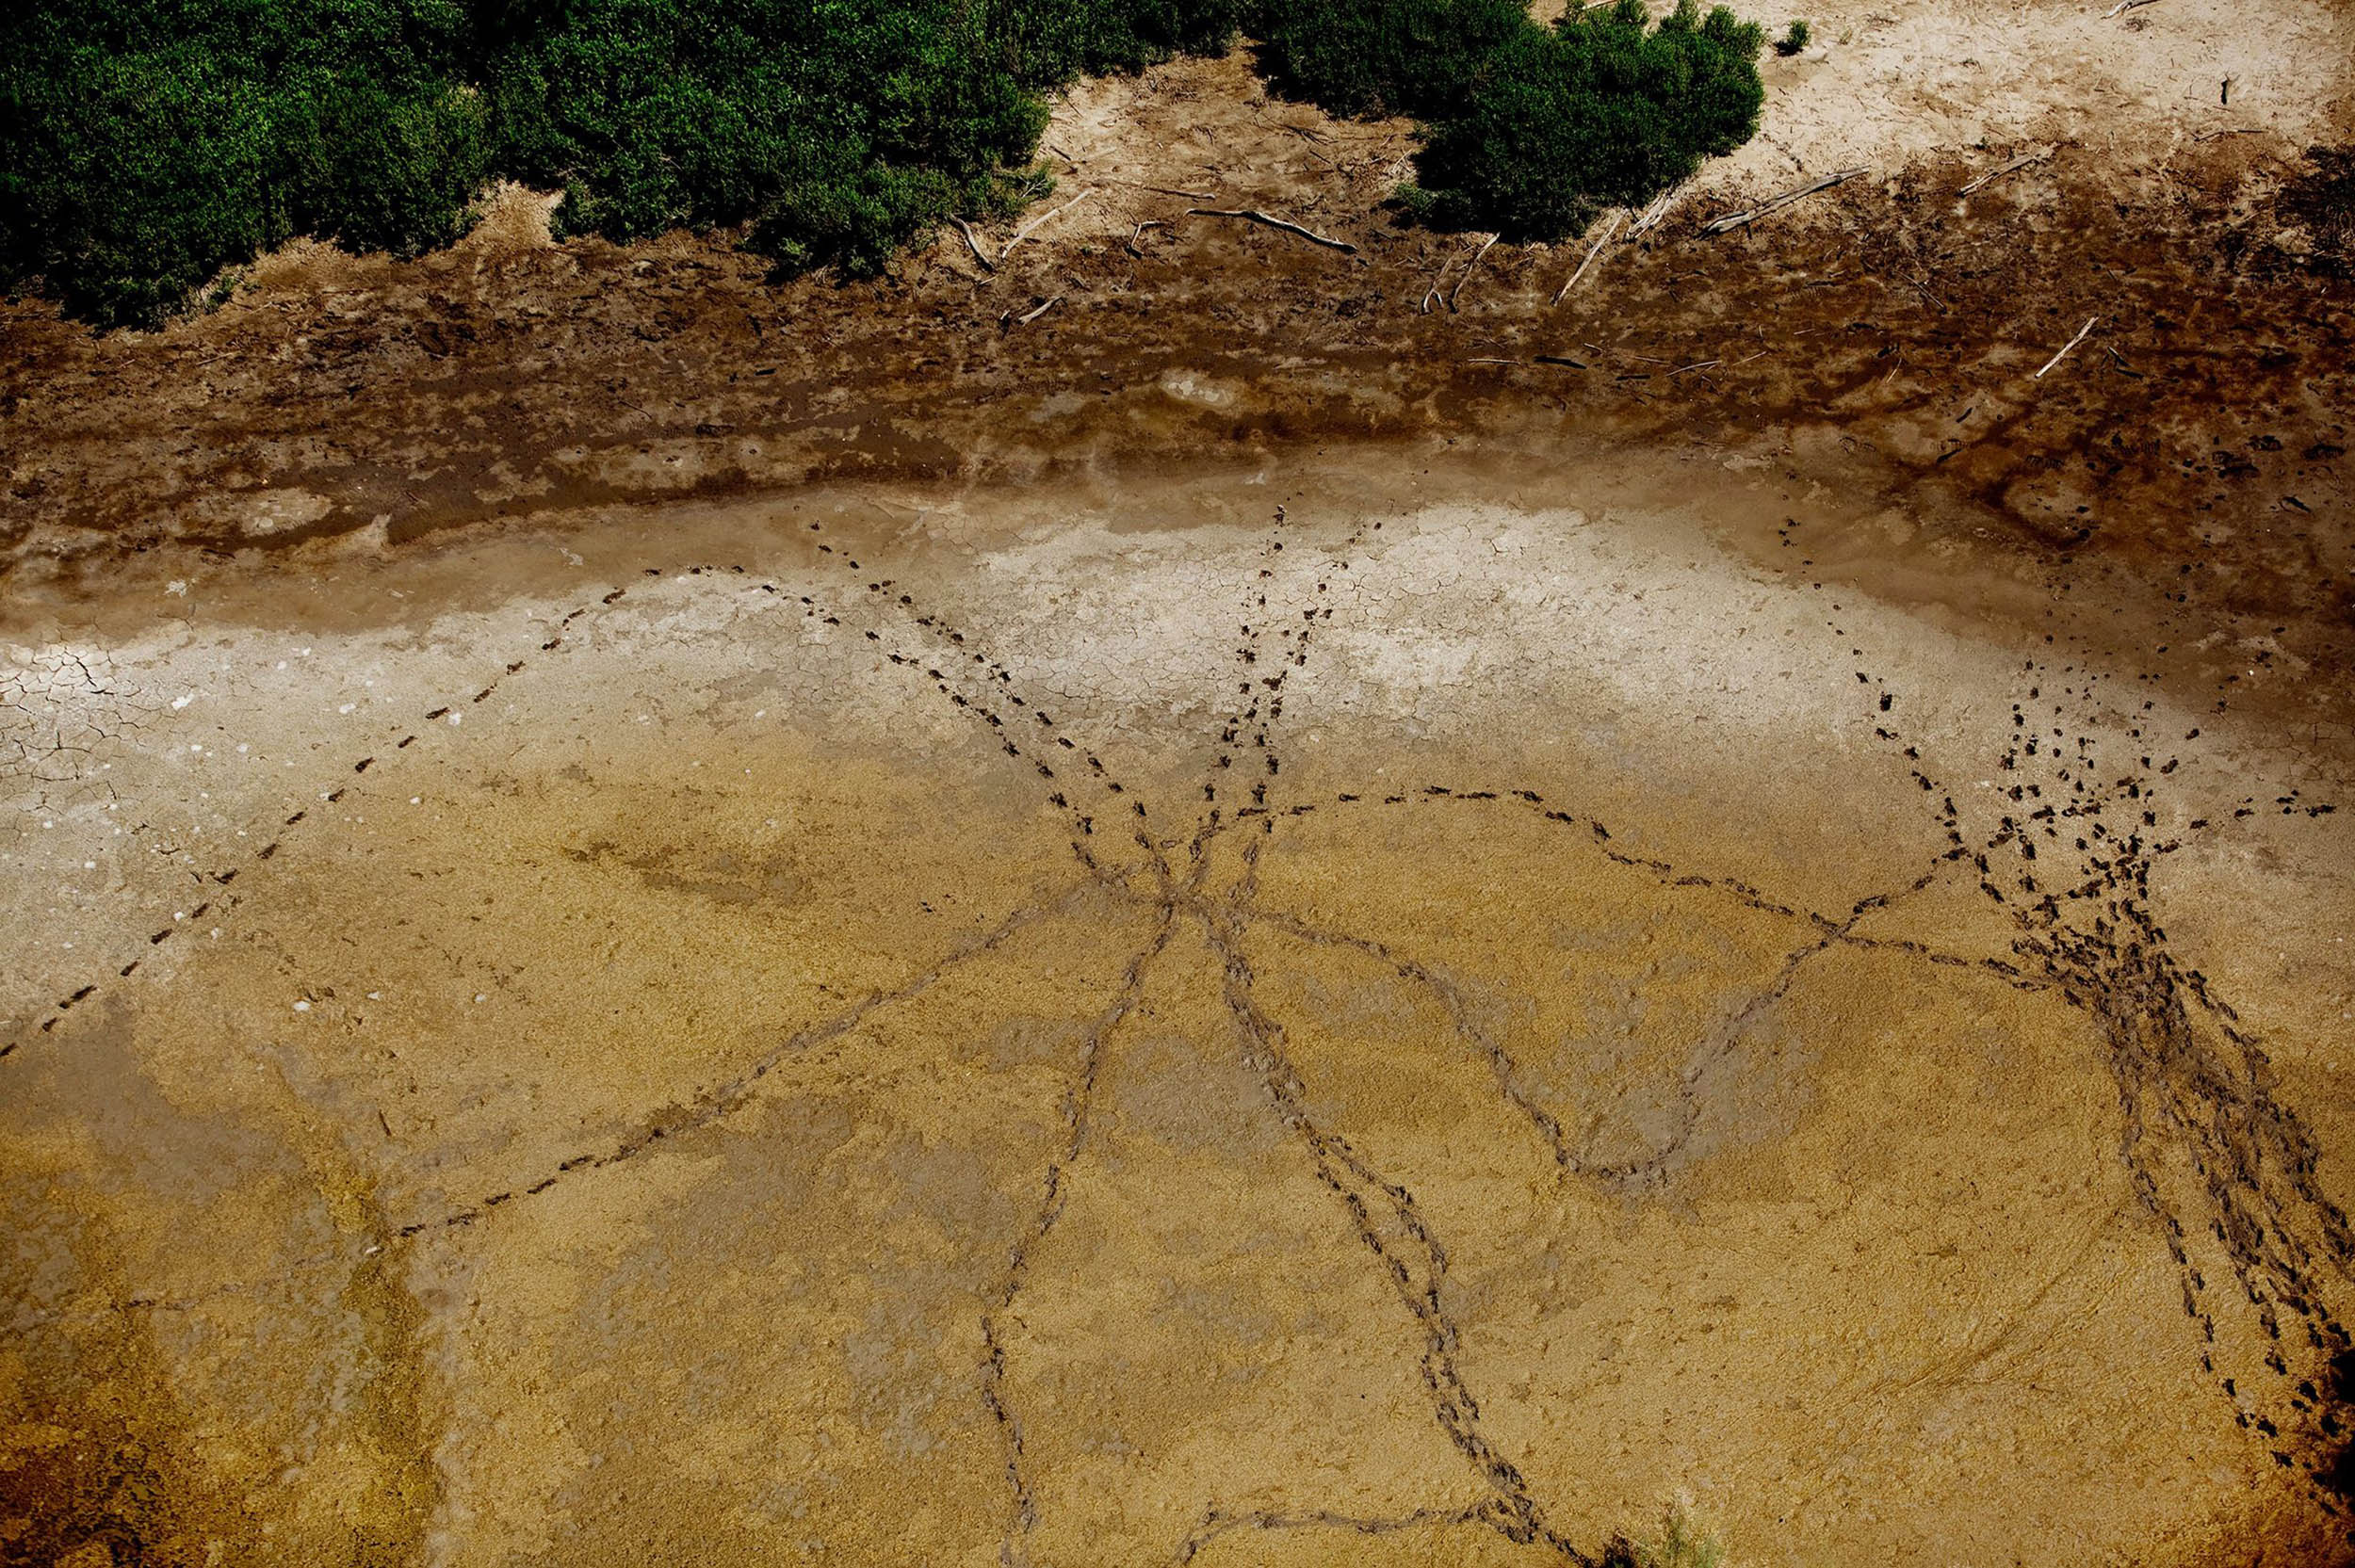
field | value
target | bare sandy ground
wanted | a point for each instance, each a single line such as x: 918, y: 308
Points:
x: 734, y: 925
x: 1455, y: 1026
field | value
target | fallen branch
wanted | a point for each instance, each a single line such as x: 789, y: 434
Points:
x: 1454, y: 293
x: 1430, y: 294
x: 1254, y: 216
x: 1159, y: 190
x: 1033, y: 225
x: 1739, y: 219
x: 1138, y: 233
x: 1697, y: 365
x: 1649, y: 219
x: 2067, y: 346
x: 1559, y: 359
x: 1610, y: 228
x: 974, y: 245
x: 2124, y: 6
x: 2023, y: 161
x: 1034, y: 315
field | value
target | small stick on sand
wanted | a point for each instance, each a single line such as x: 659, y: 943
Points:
x: 1253, y: 215
x: 2124, y: 6
x: 1026, y: 321
x: 1697, y: 365
x: 1649, y: 219
x: 1617, y: 215
x: 1028, y: 229
x: 1459, y: 289
x: 974, y: 245
x: 1493, y: 361
x: 2023, y: 161
x: 1432, y: 293
x: 1739, y: 219
x: 2067, y: 346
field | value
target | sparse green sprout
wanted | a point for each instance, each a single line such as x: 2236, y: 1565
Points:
x: 1680, y: 1543
x: 1793, y: 39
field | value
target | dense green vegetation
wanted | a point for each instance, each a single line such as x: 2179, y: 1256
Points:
x: 1602, y: 110
x: 144, y: 144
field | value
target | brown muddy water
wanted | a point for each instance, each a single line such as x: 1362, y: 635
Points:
x: 1326, y: 1008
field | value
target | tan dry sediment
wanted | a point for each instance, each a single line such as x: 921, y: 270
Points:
x: 1572, y: 1066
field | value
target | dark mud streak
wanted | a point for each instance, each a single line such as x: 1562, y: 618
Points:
x: 725, y: 1100
x: 2201, y: 1136
x: 1217, y: 1522
x: 1838, y: 932
x: 1078, y: 1109
x: 1261, y: 695
x: 1262, y: 672
x: 1511, y: 1509
x: 952, y: 670
x: 1501, y: 1066
x: 1389, y: 1222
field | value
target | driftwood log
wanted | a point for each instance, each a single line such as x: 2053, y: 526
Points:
x: 1776, y: 203
x: 1042, y: 220
x: 1459, y: 289
x: 1652, y: 216
x: 1253, y: 215
x: 2072, y: 343
x: 974, y: 245
x: 2023, y: 161
x: 1593, y: 251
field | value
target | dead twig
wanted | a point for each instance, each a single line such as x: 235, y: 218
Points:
x: 1456, y: 292
x: 1253, y: 215
x: 1697, y: 365
x: 974, y: 245
x: 1739, y: 219
x: 2023, y: 161
x: 2124, y: 6
x: 1034, y: 315
x: 1035, y: 224
x: 1169, y: 190
x: 2072, y: 343
x: 1618, y: 216
x: 1652, y: 216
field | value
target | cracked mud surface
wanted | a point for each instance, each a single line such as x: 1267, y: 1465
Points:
x: 1244, y: 925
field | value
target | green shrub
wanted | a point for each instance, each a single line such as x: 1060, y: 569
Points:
x: 1603, y: 110
x: 838, y: 129
x: 145, y: 145
x: 1046, y: 42
x: 1793, y: 39
x: 1385, y: 56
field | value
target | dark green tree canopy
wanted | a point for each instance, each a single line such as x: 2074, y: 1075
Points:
x: 148, y: 144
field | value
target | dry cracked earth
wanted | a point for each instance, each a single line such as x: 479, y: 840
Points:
x: 1243, y: 936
